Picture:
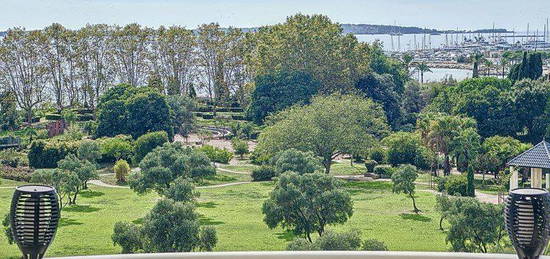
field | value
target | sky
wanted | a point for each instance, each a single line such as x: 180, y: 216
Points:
x: 438, y: 14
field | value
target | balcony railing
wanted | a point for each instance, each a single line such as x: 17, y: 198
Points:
x: 306, y: 255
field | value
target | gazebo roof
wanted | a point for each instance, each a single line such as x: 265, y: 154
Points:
x: 535, y: 157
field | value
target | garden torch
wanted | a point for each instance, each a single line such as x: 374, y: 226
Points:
x: 34, y: 217
x: 527, y: 221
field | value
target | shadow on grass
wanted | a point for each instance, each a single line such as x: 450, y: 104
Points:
x: 63, y: 222
x: 203, y: 220
x: 91, y: 194
x: 416, y: 217
x: 208, y: 205
x: 81, y: 208
x: 286, y: 235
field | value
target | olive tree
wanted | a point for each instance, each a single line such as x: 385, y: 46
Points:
x: 307, y: 203
x: 403, y: 182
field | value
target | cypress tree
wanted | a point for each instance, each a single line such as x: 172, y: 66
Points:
x: 535, y: 65
x: 524, y: 70
x: 470, y: 188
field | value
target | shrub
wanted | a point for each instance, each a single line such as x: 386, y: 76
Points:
x: 238, y: 117
x: 259, y: 158
x: 346, y: 241
x: 208, y: 116
x: 240, y: 147
x: 301, y: 244
x: 457, y: 185
x: 90, y: 127
x: 441, y: 183
x: 373, y: 245
x: 370, y: 164
x: 147, y: 142
x: 53, y: 116
x: 122, y: 170
x: 113, y: 149
x: 263, y: 173
x: 378, y: 155
x: 127, y: 235
x: 296, y: 161
x: 89, y: 150
x: 384, y: 171
x: 46, y: 154
x: 207, y: 238
x: 10, y: 157
x: 22, y: 174
x: 85, y: 117
x: 217, y: 154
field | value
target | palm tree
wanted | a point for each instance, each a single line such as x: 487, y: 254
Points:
x: 407, y: 60
x: 476, y: 59
x: 488, y: 65
x: 421, y: 68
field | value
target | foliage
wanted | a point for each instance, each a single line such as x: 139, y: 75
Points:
x: 127, y: 235
x: 307, y: 203
x: 382, y: 89
x: 11, y: 157
x: 240, y: 147
x: 329, y: 126
x: 456, y: 185
x: 135, y: 111
x: 465, y: 148
x: 403, y: 182
x: 207, y: 238
x: 378, y: 154
x: 301, y: 244
x: 384, y: 171
x: 162, y: 166
x: 147, y: 142
x: 182, y: 190
x: 122, y: 170
x: 263, y: 173
x: 370, y: 164
x: 216, y: 154
x: 116, y: 148
x: 279, y: 90
x: 498, y: 150
x: 312, y: 44
x: 475, y: 226
x: 89, y: 150
x: 46, y: 153
x: 529, y: 68
x: 373, y: 245
x: 16, y: 173
x: 174, y: 227
x: 69, y: 116
x: 182, y: 116
x: 7, y: 229
x: 345, y: 241
x: 9, y: 118
x: 405, y: 148
x: 296, y: 161
x: 66, y: 183
x: 84, y: 169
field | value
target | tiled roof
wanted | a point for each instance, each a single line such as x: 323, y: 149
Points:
x: 537, y: 157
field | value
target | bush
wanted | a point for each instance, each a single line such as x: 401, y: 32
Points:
x: 378, y: 155
x: 240, y: 147
x: 85, y: 117
x: 122, y: 170
x: 263, y: 173
x: 22, y: 174
x: 53, y: 116
x: 259, y: 158
x: 441, y: 183
x: 90, y: 127
x: 384, y: 171
x: 457, y: 185
x: 89, y: 150
x: 46, y: 154
x: 10, y: 157
x: 301, y: 244
x: 370, y: 164
x: 113, y: 149
x: 296, y: 161
x: 373, y: 245
x: 346, y: 241
x: 217, y: 154
x: 207, y: 238
x: 147, y: 142
x: 127, y: 235
x: 238, y: 117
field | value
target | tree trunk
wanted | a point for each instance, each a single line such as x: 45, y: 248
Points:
x: 441, y: 223
x: 416, y: 210
x: 447, y: 166
x: 327, y: 163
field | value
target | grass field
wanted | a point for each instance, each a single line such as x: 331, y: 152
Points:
x: 235, y: 211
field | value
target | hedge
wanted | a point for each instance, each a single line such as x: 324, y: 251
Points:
x: 85, y: 117
x: 22, y: 174
x: 217, y: 154
x: 53, y: 116
x: 208, y: 116
x: 263, y: 173
x: 238, y: 117
x: 46, y: 154
x: 384, y: 171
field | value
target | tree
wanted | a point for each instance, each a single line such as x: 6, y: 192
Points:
x: 127, y: 235
x: 312, y: 44
x: 162, y: 166
x: 403, y: 182
x: 465, y: 147
x: 240, y: 147
x: 475, y: 226
x: 529, y: 97
x: 182, y: 115
x: 8, y: 111
x: 438, y: 132
x: 422, y: 68
x: 477, y: 58
x: 405, y: 148
x: 296, y: 161
x: 128, y: 51
x: 382, y: 89
x: 182, y: 190
x: 147, y: 142
x: 89, y: 150
x: 329, y: 126
x: 277, y: 91
x: 121, y: 170
x: 66, y: 183
x: 307, y: 203
x: 24, y: 69
x: 84, y: 169
x: 501, y: 149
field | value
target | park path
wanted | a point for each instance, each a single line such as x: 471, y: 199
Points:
x: 104, y: 184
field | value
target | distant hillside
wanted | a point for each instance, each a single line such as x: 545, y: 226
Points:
x: 384, y: 29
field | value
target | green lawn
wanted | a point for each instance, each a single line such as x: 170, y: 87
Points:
x: 243, y: 167
x: 344, y: 168
x: 235, y: 211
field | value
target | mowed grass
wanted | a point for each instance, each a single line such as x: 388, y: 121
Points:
x: 235, y: 212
